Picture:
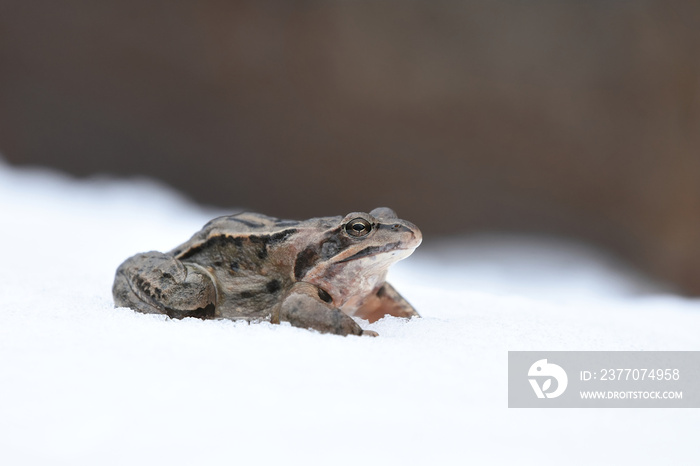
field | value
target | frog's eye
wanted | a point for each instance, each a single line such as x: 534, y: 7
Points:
x: 358, y: 227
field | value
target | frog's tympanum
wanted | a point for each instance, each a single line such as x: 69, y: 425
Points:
x: 315, y: 274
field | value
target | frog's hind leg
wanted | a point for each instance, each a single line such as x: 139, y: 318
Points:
x: 386, y: 301
x: 157, y: 283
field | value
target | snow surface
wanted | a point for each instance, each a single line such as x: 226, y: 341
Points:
x: 82, y: 383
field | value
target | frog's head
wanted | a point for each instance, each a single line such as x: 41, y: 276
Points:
x: 352, y: 256
x: 378, y: 233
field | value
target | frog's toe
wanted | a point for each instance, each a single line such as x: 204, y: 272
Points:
x: 386, y: 302
x: 369, y: 333
x: 124, y: 296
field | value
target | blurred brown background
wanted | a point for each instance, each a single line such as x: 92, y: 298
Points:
x: 578, y: 118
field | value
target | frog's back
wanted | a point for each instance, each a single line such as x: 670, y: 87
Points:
x: 251, y: 257
x: 237, y: 225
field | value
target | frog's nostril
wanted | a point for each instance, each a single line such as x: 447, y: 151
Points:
x: 396, y: 226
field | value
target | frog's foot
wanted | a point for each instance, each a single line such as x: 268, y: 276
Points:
x: 304, y: 306
x: 385, y: 302
x: 156, y: 283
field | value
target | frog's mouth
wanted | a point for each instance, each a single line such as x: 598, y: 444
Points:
x: 377, y: 250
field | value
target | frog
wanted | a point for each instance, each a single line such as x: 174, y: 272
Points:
x: 322, y: 274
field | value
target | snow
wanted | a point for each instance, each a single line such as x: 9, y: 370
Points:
x: 82, y: 383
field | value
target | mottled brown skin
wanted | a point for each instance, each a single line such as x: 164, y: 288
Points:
x: 315, y: 274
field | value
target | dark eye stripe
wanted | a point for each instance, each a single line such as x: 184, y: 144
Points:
x: 309, y: 257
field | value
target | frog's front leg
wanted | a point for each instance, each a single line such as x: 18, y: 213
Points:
x: 386, y: 301
x: 304, y: 306
x: 157, y: 283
